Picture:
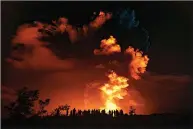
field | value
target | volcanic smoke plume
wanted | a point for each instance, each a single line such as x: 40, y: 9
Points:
x: 115, y: 89
x: 34, y: 48
x: 35, y: 45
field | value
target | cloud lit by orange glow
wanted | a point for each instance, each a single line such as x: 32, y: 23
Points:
x: 100, y: 19
x: 108, y: 47
x: 138, y: 63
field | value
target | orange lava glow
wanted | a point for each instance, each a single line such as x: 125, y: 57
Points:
x: 114, y: 90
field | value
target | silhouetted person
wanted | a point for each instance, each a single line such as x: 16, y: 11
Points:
x: 71, y: 113
x: 74, y: 112
x: 103, y: 112
x: 110, y: 112
x: 121, y: 112
x: 88, y: 112
x: 92, y: 112
x: 79, y: 113
x: 84, y: 113
x: 57, y: 112
x: 97, y: 112
x: 114, y: 113
x: 67, y: 107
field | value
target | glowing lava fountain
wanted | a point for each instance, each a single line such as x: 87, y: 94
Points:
x: 114, y: 89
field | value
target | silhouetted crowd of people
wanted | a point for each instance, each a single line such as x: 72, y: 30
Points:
x: 95, y: 112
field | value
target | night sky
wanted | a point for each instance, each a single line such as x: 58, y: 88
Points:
x: 166, y: 85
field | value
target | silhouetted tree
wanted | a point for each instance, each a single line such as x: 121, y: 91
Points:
x: 57, y: 111
x: 42, y: 105
x: 131, y: 111
x: 23, y: 106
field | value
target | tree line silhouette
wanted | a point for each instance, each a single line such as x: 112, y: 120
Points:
x: 22, y: 113
x: 23, y: 107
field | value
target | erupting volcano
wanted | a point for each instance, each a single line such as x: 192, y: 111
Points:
x: 116, y: 88
x: 61, y: 42
x: 101, y: 65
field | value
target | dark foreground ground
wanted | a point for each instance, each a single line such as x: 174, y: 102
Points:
x: 105, y: 122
